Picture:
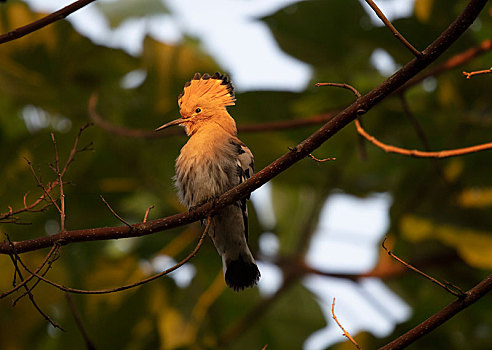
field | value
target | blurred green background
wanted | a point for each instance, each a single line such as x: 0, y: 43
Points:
x: 441, y: 213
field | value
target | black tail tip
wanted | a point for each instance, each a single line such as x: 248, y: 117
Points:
x: 241, y: 274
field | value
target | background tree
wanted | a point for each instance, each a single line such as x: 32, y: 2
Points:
x: 440, y: 217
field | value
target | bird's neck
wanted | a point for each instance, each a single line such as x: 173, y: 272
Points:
x: 226, y: 122
x: 220, y: 123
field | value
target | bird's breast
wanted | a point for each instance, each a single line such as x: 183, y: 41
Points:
x: 204, y: 170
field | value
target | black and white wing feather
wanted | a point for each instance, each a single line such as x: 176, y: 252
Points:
x: 245, y: 169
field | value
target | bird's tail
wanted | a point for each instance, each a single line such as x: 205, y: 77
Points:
x: 228, y: 232
x: 240, y: 274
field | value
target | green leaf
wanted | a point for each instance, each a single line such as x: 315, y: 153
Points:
x: 119, y: 11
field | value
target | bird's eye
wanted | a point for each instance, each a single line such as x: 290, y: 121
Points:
x: 198, y: 110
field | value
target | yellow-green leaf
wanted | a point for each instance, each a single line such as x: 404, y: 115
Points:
x: 475, y: 247
x: 423, y: 9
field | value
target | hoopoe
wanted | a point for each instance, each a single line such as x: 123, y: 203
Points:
x: 213, y: 161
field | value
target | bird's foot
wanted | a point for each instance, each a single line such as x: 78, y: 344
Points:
x: 214, y: 200
x: 192, y: 209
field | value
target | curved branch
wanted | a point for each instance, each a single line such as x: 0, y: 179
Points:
x: 122, y: 131
x: 421, y: 154
x: 403, y: 151
x: 128, y: 286
x: 477, y: 72
x: 364, y: 103
x: 43, y: 22
x: 442, y: 316
x: 54, y: 248
x: 345, y: 333
x: 151, y: 134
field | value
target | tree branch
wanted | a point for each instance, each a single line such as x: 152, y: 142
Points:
x: 392, y: 28
x: 402, y: 151
x: 43, y: 263
x: 345, y: 333
x: 421, y: 154
x: 14, y: 257
x: 442, y: 316
x: 43, y: 22
x: 452, y: 62
x: 115, y: 213
x: 59, y: 175
x: 128, y: 286
x: 477, y: 72
x: 89, y: 344
x: 450, y: 288
x: 364, y: 103
x: 151, y: 134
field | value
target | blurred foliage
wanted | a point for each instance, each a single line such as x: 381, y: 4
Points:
x: 440, y: 208
x: 118, y: 12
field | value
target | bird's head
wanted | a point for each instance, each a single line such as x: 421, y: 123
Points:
x: 204, y: 99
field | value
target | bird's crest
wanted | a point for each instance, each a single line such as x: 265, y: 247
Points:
x: 217, y: 87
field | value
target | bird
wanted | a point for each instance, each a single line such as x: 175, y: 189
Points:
x: 212, y: 161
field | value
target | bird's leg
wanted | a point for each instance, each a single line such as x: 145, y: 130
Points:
x: 192, y: 209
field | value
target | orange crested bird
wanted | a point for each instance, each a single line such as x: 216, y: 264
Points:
x: 213, y: 161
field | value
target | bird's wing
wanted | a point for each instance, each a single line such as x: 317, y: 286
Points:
x: 245, y: 161
x: 245, y: 169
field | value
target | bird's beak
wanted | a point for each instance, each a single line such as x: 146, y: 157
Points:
x: 167, y: 125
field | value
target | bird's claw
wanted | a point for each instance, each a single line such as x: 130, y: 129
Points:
x: 192, y: 209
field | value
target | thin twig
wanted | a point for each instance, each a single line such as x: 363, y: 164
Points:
x: 115, y: 214
x: 128, y: 286
x: 403, y: 151
x: 395, y: 32
x: 40, y: 184
x: 384, y: 270
x: 345, y: 333
x: 147, y: 213
x: 421, y: 134
x: 29, y: 208
x: 477, y: 72
x: 50, y: 264
x: 122, y: 131
x: 421, y: 154
x: 343, y: 86
x: 36, y: 25
x: 320, y: 160
x: 74, y: 149
x: 456, y: 291
x: 50, y: 186
x: 89, y: 344
x: 361, y: 147
x: 60, y: 184
x: 416, y: 125
x: 15, y: 258
x: 451, y: 63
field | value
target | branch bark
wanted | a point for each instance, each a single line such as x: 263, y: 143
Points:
x: 360, y: 106
x: 43, y: 22
x: 451, y: 63
x: 442, y: 316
